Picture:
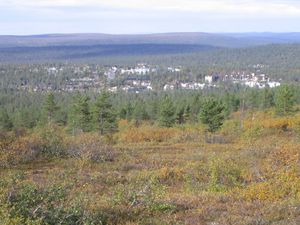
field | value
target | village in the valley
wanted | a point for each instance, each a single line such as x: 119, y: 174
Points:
x: 139, y: 78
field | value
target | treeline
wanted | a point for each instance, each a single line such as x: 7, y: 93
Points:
x: 281, y: 61
x: 90, y: 112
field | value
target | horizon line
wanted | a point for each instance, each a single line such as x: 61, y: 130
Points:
x: 151, y: 33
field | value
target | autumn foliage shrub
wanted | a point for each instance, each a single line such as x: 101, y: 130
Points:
x: 224, y: 175
x: 40, y: 144
x: 169, y: 175
x: 231, y: 130
x: 156, y: 134
x: 91, y: 147
x: 27, y: 203
x: 147, y: 134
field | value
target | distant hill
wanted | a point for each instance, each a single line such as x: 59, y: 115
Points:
x: 77, y: 52
x: 233, y: 40
x: 58, y: 47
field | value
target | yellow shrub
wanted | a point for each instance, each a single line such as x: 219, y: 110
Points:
x: 283, y: 186
x: 170, y: 175
x: 89, y: 146
x: 41, y: 143
x: 147, y: 134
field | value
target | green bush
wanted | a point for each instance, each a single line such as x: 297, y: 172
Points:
x: 224, y: 175
x: 29, y: 204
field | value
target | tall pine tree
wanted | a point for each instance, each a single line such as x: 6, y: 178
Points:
x: 5, y: 121
x: 212, y: 114
x: 80, y: 116
x: 50, y: 107
x: 284, y: 100
x: 167, y: 113
x: 104, y: 115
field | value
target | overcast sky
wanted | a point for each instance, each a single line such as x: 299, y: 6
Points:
x: 25, y: 17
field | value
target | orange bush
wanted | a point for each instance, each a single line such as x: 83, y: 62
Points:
x: 147, y: 134
x: 89, y: 146
x: 41, y: 143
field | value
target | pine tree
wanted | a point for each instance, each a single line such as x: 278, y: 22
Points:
x: 267, y: 99
x: 139, y: 112
x: 196, y: 107
x: 50, y: 106
x: 126, y: 112
x: 80, y: 116
x: 5, y: 121
x: 232, y: 103
x: 253, y: 99
x: 212, y: 114
x: 104, y: 115
x: 187, y: 114
x: 284, y: 100
x: 167, y: 113
x: 180, y: 115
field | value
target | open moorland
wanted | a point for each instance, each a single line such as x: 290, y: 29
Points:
x: 246, y: 173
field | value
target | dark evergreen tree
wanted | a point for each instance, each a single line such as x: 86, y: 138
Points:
x: 187, y: 114
x: 167, y: 113
x: 284, y: 100
x: 231, y: 103
x: 80, y: 116
x: 267, y: 99
x: 5, y: 121
x: 212, y: 114
x: 180, y: 115
x: 139, y: 112
x: 126, y: 111
x: 196, y: 107
x: 252, y: 100
x: 104, y: 116
x: 50, y: 106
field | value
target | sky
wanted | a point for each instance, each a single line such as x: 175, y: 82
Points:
x: 26, y: 17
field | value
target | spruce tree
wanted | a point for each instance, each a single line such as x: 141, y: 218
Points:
x: 187, y: 114
x: 212, y: 114
x: 139, y: 112
x: 5, y: 121
x: 50, y: 106
x: 180, y: 115
x: 196, y: 107
x: 284, y: 100
x: 104, y: 115
x: 80, y: 116
x: 167, y: 113
x: 267, y: 99
x: 231, y: 103
x: 129, y: 111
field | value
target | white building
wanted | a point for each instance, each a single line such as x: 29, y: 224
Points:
x: 209, y: 79
x: 169, y: 87
x: 273, y: 84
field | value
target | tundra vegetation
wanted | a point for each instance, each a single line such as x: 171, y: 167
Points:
x: 147, y: 159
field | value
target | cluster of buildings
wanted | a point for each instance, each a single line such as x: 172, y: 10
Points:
x: 138, y: 78
x: 184, y: 85
x: 139, y: 69
x: 133, y: 85
x: 247, y: 79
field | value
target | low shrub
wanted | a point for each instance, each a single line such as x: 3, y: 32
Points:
x: 90, y: 147
x: 156, y: 134
x: 224, y: 175
x: 43, y: 143
x: 231, y: 130
x: 147, y: 134
x: 27, y: 203
x: 169, y: 175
